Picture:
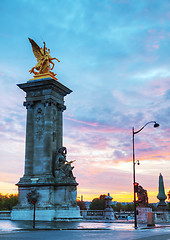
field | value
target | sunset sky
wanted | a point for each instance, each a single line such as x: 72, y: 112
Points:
x: 115, y: 57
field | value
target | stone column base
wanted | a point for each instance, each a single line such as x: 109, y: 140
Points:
x: 143, y: 214
x: 109, y: 214
x: 48, y: 214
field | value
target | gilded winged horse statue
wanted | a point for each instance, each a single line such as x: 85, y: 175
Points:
x: 43, y: 59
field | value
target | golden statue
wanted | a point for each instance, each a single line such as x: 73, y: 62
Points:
x: 43, y: 61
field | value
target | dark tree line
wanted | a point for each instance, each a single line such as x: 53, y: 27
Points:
x: 81, y: 205
x: 99, y: 204
x: 8, y: 201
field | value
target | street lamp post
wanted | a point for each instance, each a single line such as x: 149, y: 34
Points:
x: 32, y: 198
x: 134, y: 162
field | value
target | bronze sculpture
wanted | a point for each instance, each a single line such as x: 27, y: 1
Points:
x: 142, y: 197
x: 43, y: 59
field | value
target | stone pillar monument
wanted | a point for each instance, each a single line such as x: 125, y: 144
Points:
x: 161, y: 195
x: 108, y: 211
x: 47, y: 170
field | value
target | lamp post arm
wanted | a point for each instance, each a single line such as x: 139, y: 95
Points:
x: 143, y: 127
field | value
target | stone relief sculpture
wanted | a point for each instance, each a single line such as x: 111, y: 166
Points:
x: 39, y: 123
x: 54, y: 116
x: 63, y: 168
x: 43, y: 59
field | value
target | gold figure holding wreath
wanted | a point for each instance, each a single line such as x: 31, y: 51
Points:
x: 43, y: 60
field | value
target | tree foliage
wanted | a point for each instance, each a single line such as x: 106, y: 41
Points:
x: 154, y: 208
x: 121, y: 207
x: 98, y: 203
x: 82, y: 205
x: 168, y: 194
x: 168, y: 205
x: 7, y: 202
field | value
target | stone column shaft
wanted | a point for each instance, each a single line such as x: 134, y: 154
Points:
x: 44, y: 132
x: 59, y: 129
x: 29, y: 142
x: 48, y: 138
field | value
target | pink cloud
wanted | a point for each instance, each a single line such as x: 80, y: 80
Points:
x: 156, y: 46
x: 111, y: 178
x: 94, y: 124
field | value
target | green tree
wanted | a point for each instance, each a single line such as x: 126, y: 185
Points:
x: 118, y: 207
x: 7, y: 202
x: 168, y: 195
x: 168, y: 205
x: 98, y: 203
x: 126, y: 208
x: 153, y: 207
x: 82, y: 205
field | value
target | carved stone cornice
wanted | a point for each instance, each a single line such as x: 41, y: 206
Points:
x: 61, y: 107
x: 49, y: 102
x: 48, y: 83
x: 28, y: 104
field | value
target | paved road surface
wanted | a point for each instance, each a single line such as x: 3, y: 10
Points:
x: 149, y: 234
x: 22, y: 230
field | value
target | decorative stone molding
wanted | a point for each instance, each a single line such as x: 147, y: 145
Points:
x: 61, y: 107
x: 28, y: 104
x: 49, y: 102
x: 39, y: 123
x: 54, y: 117
x: 34, y: 93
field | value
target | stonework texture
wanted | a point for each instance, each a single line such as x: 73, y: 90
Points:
x: 44, y: 136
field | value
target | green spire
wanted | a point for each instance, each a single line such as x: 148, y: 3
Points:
x: 161, y: 195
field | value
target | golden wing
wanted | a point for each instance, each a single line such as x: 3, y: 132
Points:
x: 36, y: 50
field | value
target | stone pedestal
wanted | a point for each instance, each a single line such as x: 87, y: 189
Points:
x: 143, y: 214
x: 44, y: 135
x: 109, y: 214
x: 108, y: 211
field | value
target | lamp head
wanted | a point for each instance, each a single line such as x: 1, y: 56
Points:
x: 156, y: 125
